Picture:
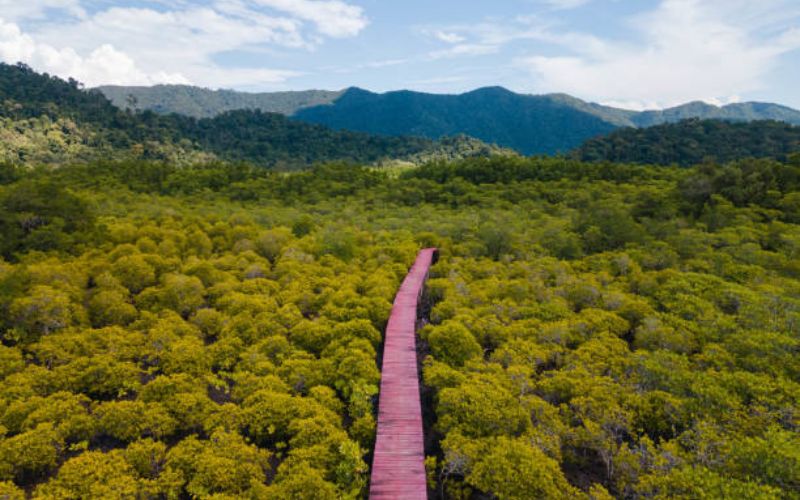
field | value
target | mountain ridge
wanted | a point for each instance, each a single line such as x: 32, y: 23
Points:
x: 47, y: 120
x: 200, y: 102
x: 530, y: 124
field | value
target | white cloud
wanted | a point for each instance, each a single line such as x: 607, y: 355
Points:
x: 448, y: 37
x: 565, y: 4
x: 386, y: 63
x: 332, y: 17
x: 681, y: 50
x: 464, y: 49
x: 711, y: 50
x: 162, y: 41
x: 104, y: 64
x: 14, y: 45
x: 470, y: 40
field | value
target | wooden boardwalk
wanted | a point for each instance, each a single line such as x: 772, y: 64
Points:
x: 398, y: 466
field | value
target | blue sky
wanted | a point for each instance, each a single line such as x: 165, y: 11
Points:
x: 632, y: 53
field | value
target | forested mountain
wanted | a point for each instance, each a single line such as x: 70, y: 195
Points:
x: 530, y: 124
x: 47, y: 120
x: 746, y: 111
x: 44, y: 119
x: 692, y: 141
x: 205, y: 103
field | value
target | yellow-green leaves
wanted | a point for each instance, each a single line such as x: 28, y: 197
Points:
x: 453, y: 343
x: 224, y: 464
x: 516, y: 469
x: 30, y: 455
x: 93, y: 474
x: 43, y: 311
x: 480, y: 407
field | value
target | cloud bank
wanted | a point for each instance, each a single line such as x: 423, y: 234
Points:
x: 168, y: 41
x: 687, y: 50
x: 103, y: 65
x: 682, y: 50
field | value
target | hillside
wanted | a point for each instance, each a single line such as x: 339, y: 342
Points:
x: 527, y: 124
x: 199, y: 102
x: 44, y: 119
x: 692, y: 141
x: 746, y: 111
x: 530, y: 124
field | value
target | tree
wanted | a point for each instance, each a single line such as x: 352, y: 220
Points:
x: 134, y: 272
x: 268, y: 415
x: 300, y: 481
x: 147, y: 457
x: 179, y: 293
x: 41, y: 215
x: 31, y: 455
x: 11, y: 361
x: 225, y: 464
x: 41, y: 312
x: 700, y: 482
x: 496, y: 238
x: 94, y: 474
x: 608, y: 226
x: 111, y: 307
x: 452, y: 343
x: 99, y: 377
x: 10, y: 491
x: 480, y: 407
x: 774, y: 458
x: 270, y: 243
x: 131, y: 420
x: 67, y: 412
x: 514, y: 469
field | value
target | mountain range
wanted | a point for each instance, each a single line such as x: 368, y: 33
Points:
x: 46, y: 120
x: 529, y: 124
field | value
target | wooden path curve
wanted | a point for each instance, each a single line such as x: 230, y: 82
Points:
x: 398, y: 465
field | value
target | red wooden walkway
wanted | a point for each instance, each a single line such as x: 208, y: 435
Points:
x: 398, y: 466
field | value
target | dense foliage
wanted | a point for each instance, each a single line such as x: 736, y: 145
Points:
x: 529, y: 124
x: 45, y: 120
x: 212, y: 330
x: 690, y: 142
x: 153, y: 351
x: 200, y: 102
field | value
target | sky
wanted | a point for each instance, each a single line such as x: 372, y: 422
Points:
x: 631, y: 53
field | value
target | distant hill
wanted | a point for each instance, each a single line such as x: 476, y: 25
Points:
x: 746, y: 111
x: 530, y: 124
x: 690, y: 142
x: 44, y: 119
x: 199, y: 102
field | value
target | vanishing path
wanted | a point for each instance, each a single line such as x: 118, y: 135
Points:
x: 398, y: 466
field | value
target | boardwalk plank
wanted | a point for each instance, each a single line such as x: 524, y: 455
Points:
x: 398, y: 466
